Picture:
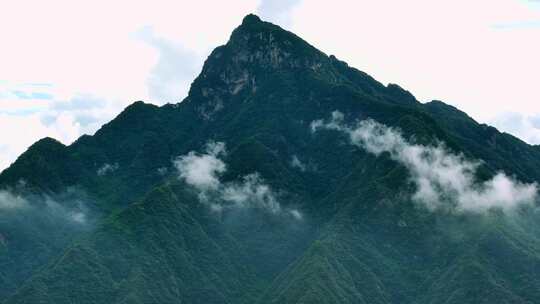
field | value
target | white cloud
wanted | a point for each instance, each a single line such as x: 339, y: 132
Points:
x: 78, y: 217
x: 296, y: 214
x: 41, y: 205
x: 106, y: 169
x: 442, y: 179
x: 252, y: 191
x: 296, y: 163
x: 10, y: 201
x: 203, y: 171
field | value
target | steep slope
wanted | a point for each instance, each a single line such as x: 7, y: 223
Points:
x: 361, y: 237
x: 154, y: 252
x: 34, y: 229
x: 380, y: 248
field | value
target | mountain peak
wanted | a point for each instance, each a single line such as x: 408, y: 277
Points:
x: 251, y: 19
x: 253, y: 29
x: 257, y: 52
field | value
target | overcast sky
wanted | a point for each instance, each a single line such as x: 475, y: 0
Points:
x: 67, y: 67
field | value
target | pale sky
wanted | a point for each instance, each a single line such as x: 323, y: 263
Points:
x: 68, y: 66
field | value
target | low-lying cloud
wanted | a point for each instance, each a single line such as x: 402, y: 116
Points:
x: 297, y: 163
x: 203, y: 172
x: 10, y: 201
x: 251, y: 191
x: 442, y: 179
x: 64, y: 208
x: 106, y: 169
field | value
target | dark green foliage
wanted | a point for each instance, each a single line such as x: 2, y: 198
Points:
x: 361, y: 240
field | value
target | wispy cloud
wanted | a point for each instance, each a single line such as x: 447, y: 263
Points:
x: 32, y: 95
x: 443, y: 179
x: 106, y: 169
x: 10, y: 201
x: 297, y: 163
x: 66, y: 207
x: 251, y: 191
x: 202, y: 171
x: 303, y: 164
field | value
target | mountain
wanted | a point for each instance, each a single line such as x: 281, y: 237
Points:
x: 285, y: 176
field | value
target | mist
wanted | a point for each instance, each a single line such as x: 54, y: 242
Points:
x: 106, y: 169
x: 443, y: 179
x: 36, y: 226
x: 67, y: 207
x: 10, y: 201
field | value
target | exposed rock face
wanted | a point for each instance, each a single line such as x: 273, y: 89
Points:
x: 256, y: 54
